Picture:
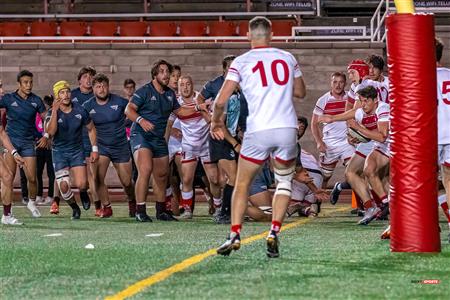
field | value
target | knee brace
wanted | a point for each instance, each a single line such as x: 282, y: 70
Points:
x: 63, y: 176
x: 284, y: 180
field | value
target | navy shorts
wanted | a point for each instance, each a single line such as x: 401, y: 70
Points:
x: 158, y: 145
x: 87, y: 149
x: 261, y: 182
x: 119, y: 154
x: 220, y: 149
x: 25, y: 148
x: 68, y: 158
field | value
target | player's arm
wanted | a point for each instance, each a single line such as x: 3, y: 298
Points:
x: 379, y: 135
x: 51, y: 123
x: 4, y: 138
x: 348, y: 115
x: 168, y: 129
x: 131, y: 112
x: 299, y: 87
x: 230, y: 139
x: 317, y: 133
x: 217, y: 124
x: 92, y: 132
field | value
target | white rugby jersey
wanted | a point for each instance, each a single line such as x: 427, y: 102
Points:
x: 443, y: 93
x: 194, y: 128
x: 309, y: 161
x: 382, y: 88
x: 174, y: 144
x: 266, y: 77
x: 334, y: 134
x: 370, y: 121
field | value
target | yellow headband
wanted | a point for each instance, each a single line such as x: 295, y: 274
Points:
x: 60, y: 85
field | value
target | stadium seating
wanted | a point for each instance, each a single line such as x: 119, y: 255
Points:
x: 192, y: 28
x: 43, y: 28
x: 102, y: 28
x: 14, y: 29
x: 72, y: 28
x: 221, y: 28
x: 133, y: 28
x: 163, y: 28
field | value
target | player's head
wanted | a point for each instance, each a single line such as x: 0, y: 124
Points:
x: 85, y: 77
x: 48, y: 100
x: 369, y: 98
x: 25, y: 81
x: 161, y: 71
x: 226, y: 63
x: 100, y: 86
x: 357, y: 70
x: 129, y: 87
x: 260, y: 30
x: 439, y: 49
x: 185, y: 86
x: 338, y: 80
x: 61, y: 90
x: 302, y: 124
x: 376, y: 66
x: 174, y: 77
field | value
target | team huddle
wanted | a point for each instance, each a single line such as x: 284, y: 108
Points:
x: 238, y: 139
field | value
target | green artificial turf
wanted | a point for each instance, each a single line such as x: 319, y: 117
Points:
x: 328, y: 257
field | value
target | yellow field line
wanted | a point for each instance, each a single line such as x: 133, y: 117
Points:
x: 193, y: 260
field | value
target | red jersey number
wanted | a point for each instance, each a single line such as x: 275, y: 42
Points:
x: 277, y: 78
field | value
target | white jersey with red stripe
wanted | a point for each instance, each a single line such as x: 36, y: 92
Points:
x: 370, y: 121
x: 382, y: 88
x: 334, y: 134
x: 443, y: 93
x: 174, y: 144
x: 194, y: 127
x: 309, y: 161
x: 266, y: 77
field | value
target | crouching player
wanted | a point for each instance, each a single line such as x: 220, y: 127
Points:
x: 64, y: 122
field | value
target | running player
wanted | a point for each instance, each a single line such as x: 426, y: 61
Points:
x: 443, y: 86
x: 21, y: 109
x: 64, y: 122
x: 107, y: 111
x: 150, y: 109
x: 269, y: 78
x: 195, y: 129
x: 332, y: 140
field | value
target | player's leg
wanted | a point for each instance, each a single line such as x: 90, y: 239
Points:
x: 353, y: 175
x: 229, y: 168
x: 144, y: 163
x: 188, y: 166
x: 258, y: 202
x: 40, y: 164
x: 30, y: 172
x: 346, y: 154
x: 6, y: 178
x: 160, y: 177
x: 124, y: 171
x: 445, y: 170
x: 62, y: 176
x: 328, y: 162
x: 99, y: 170
x: 79, y: 175
x: 212, y: 174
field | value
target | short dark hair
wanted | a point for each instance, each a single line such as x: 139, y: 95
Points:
x: 368, y: 92
x: 377, y: 61
x: 260, y: 22
x: 227, y: 61
x: 339, y: 74
x: 86, y: 70
x: 24, y: 73
x: 129, y: 81
x: 157, y: 64
x: 100, y: 78
x: 48, y: 99
x: 176, y: 68
x: 303, y: 120
x: 439, y: 48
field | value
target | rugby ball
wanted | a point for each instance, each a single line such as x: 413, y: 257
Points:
x: 357, y: 135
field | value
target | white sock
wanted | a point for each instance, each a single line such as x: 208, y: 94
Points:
x: 169, y: 191
x: 442, y: 199
x: 217, y: 201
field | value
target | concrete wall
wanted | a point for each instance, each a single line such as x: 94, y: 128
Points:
x: 53, y: 62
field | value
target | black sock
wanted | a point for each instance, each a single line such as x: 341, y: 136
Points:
x: 141, y: 208
x: 98, y: 204
x: 73, y: 204
x: 84, y: 196
x: 56, y: 199
x: 226, y: 199
x: 345, y: 186
x: 160, y: 208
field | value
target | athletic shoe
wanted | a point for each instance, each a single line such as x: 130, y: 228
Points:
x: 319, y: 206
x: 222, y: 219
x: 294, y: 208
x: 25, y: 200
x: 233, y: 242
x: 76, y: 213
x: 386, y: 233
x: 39, y: 200
x: 358, y: 212
x: 369, y: 216
x: 272, y: 245
x: 314, y: 210
x: 54, y: 209
x: 33, y: 209
x: 131, y: 209
x: 107, y: 212
x: 86, y: 203
x: 10, y: 220
x: 165, y: 216
x: 98, y: 212
x: 383, y: 215
x: 187, y: 214
x: 143, y: 217
x: 335, y: 192
x: 44, y: 201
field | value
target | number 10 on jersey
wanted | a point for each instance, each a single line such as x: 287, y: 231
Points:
x: 259, y: 67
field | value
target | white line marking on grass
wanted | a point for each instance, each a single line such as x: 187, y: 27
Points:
x: 53, y: 234
x: 154, y: 234
x: 89, y: 246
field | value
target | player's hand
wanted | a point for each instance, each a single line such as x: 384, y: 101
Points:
x: 94, y: 156
x: 321, y: 195
x: 146, y: 125
x: 325, y: 119
x: 321, y: 147
x: 352, y: 124
x: 56, y: 104
x: 19, y: 160
x: 176, y: 133
x: 204, y: 106
x: 42, y: 143
x: 303, y: 176
x: 238, y: 148
x: 352, y: 141
x: 217, y: 130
